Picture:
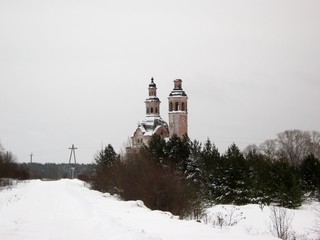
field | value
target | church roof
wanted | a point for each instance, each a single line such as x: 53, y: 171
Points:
x: 178, y: 92
x: 151, y: 124
x: 153, y: 99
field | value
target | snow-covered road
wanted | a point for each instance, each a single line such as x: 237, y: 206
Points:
x: 66, y: 209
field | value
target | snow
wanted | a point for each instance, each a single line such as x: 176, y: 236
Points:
x: 67, y: 209
x: 256, y: 220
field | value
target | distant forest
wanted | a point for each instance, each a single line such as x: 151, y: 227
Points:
x: 54, y: 171
x: 10, y: 169
x: 183, y: 176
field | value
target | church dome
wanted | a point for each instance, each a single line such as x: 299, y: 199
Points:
x: 152, y: 84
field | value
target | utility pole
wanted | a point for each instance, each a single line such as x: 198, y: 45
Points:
x: 31, y: 155
x: 72, y: 167
x: 73, y: 152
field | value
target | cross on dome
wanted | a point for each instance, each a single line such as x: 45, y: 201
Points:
x: 152, y: 84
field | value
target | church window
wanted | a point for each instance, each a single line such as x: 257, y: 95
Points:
x: 182, y: 107
x: 156, y: 110
x: 177, y: 106
x: 151, y: 110
x: 170, y: 106
x: 147, y: 110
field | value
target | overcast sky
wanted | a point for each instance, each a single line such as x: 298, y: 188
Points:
x: 77, y: 71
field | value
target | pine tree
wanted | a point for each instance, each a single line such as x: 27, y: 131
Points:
x: 178, y: 151
x: 285, y: 185
x: 211, y: 156
x: 233, y: 187
x: 212, y: 169
x: 259, y: 178
x: 157, y: 149
x: 106, y: 157
x: 310, y: 175
x: 194, y: 168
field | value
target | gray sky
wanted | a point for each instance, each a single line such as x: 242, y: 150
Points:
x: 77, y: 71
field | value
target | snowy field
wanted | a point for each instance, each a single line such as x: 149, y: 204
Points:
x: 66, y: 209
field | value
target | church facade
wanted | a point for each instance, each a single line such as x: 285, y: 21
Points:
x: 154, y: 124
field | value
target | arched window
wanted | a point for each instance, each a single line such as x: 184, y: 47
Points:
x: 177, y: 107
x: 151, y: 110
x: 170, y: 106
x: 182, y: 106
x: 156, y: 110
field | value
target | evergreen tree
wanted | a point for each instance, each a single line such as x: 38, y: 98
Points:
x: 212, y: 169
x: 102, y: 176
x: 232, y: 188
x: 285, y: 185
x: 259, y: 179
x: 157, y: 149
x: 211, y: 156
x: 194, y: 168
x: 106, y: 157
x: 310, y: 175
x: 178, y: 151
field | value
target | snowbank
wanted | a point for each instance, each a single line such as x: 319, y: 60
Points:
x: 66, y: 209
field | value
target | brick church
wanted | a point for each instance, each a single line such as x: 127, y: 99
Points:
x: 154, y: 124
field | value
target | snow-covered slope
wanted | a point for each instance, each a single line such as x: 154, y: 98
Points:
x: 66, y: 209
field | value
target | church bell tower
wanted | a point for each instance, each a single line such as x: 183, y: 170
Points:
x: 152, y: 102
x: 178, y: 110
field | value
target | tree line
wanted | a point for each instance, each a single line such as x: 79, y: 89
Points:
x: 9, y: 168
x: 181, y: 176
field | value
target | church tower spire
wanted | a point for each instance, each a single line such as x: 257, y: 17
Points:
x: 152, y: 102
x: 178, y: 110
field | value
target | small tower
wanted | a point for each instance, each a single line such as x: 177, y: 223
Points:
x: 178, y: 110
x: 153, y: 102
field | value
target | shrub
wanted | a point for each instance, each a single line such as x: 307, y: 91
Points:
x: 158, y: 186
x: 229, y: 217
x: 280, y: 221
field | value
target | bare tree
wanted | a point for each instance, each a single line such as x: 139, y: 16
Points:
x: 269, y: 149
x: 292, y: 145
x: 296, y: 145
x: 250, y: 149
x: 1, y: 148
x: 315, y: 143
